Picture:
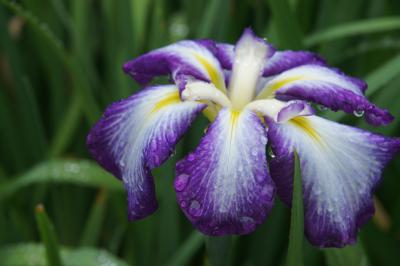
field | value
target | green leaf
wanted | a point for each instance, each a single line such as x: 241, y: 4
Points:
x: 348, y: 256
x: 296, y: 235
x: 139, y: 11
x: 79, y: 172
x: 34, y: 254
x: 353, y: 29
x: 211, y: 17
x: 87, y: 101
x: 95, y: 220
x: 48, y: 237
x: 287, y: 28
x: 219, y: 250
x: 186, y: 251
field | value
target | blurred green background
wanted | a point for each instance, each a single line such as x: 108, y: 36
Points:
x: 60, y: 66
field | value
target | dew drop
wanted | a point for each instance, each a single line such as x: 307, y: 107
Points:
x: 322, y: 107
x: 153, y: 145
x: 171, y: 136
x: 247, y: 222
x: 183, y: 204
x: 264, y: 140
x: 181, y: 182
x: 254, y: 152
x: 194, y: 208
x: 191, y: 158
x: 240, y: 168
x: 358, y: 113
x: 271, y: 153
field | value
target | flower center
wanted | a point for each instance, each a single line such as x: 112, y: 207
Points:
x: 248, y: 63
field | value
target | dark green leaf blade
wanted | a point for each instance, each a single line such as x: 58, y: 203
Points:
x: 296, y: 235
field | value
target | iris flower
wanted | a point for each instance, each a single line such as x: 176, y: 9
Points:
x: 252, y: 95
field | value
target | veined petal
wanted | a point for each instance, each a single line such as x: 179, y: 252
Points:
x: 278, y: 61
x: 137, y: 134
x: 327, y: 87
x: 341, y: 167
x: 224, y: 186
x: 183, y: 60
x: 285, y: 60
x: 251, y: 53
x: 280, y: 111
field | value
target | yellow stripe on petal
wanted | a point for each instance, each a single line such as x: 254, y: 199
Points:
x: 304, y: 124
x: 269, y: 90
x: 215, y: 77
x: 171, y: 98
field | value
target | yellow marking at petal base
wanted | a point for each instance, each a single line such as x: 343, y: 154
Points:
x: 234, y: 118
x: 270, y: 90
x: 171, y: 98
x: 215, y: 77
x: 304, y: 124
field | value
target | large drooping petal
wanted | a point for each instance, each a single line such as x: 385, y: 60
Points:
x: 327, y: 87
x: 277, y: 62
x: 137, y: 134
x: 340, y: 167
x: 183, y: 60
x: 224, y: 186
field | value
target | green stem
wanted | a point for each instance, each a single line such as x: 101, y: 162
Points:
x: 219, y: 250
x: 48, y: 236
x: 296, y: 235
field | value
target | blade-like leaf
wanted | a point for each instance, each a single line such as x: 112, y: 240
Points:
x: 296, y: 235
x: 186, y: 251
x: 287, y: 28
x: 34, y: 254
x: 219, y: 250
x: 79, y: 172
x: 353, y: 29
x: 348, y: 256
x: 48, y: 237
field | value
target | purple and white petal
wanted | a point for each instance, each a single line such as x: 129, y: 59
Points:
x: 224, y: 187
x: 327, y: 87
x: 341, y: 167
x: 285, y: 60
x: 137, y: 134
x: 277, y: 62
x: 183, y: 60
x: 280, y: 111
x: 251, y: 53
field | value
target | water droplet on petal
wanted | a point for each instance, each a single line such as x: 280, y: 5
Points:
x: 183, y: 204
x: 264, y: 140
x: 153, y: 145
x: 191, y: 158
x: 254, y: 152
x: 358, y: 113
x: 181, y: 182
x: 194, y: 208
x: 271, y: 153
x: 248, y: 223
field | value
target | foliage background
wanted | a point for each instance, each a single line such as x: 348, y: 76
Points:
x: 60, y: 65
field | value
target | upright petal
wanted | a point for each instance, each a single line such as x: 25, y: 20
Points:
x: 183, y: 60
x: 341, y: 167
x: 224, y: 186
x: 276, y: 63
x: 137, y: 134
x: 327, y: 87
